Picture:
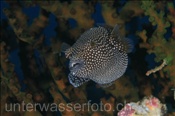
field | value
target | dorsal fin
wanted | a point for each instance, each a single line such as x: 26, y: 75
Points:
x: 115, y: 31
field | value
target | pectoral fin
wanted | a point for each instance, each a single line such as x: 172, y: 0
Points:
x: 64, y: 47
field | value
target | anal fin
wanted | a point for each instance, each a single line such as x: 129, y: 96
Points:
x: 105, y: 85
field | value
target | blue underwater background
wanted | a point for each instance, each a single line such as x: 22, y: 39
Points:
x: 139, y: 60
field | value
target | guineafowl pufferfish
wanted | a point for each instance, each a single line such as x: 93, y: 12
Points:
x: 100, y: 55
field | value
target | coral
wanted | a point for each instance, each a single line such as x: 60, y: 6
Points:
x: 111, y: 105
x: 156, y: 68
x: 10, y: 80
x: 123, y: 84
x: 149, y: 106
x: 18, y: 21
x: 19, y: 24
x: 171, y: 16
x: 58, y: 99
x: 127, y: 111
x: 110, y: 15
x: 76, y: 10
x: 130, y: 10
x: 157, y: 44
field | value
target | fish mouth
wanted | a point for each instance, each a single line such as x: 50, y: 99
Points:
x: 77, y: 81
x: 75, y: 65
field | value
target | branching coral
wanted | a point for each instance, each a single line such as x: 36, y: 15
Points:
x: 171, y: 16
x: 109, y: 14
x: 157, y: 44
x: 76, y: 10
x: 111, y: 17
x: 18, y: 21
x: 122, y: 85
x: 58, y: 99
x: 18, y: 27
x: 156, y: 68
x: 54, y: 66
x: 8, y: 78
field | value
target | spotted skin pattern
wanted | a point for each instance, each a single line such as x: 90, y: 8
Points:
x: 100, y: 55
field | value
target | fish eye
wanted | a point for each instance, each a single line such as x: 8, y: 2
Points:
x: 75, y: 64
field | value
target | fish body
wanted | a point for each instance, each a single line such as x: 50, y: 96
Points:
x: 100, y: 55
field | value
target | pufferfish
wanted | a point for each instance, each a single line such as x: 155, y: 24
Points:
x: 100, y: 55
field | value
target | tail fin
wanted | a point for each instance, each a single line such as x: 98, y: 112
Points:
x: 128, y: 43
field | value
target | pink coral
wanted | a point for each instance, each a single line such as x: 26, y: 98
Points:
x: 149, y: 106
x: 152, y: 102
x: 126, y: 111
